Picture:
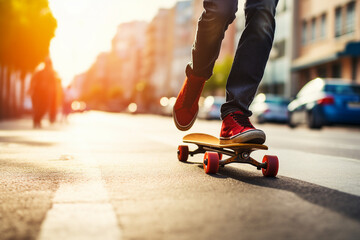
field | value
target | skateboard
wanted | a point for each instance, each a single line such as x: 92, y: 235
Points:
x: 238, y: 152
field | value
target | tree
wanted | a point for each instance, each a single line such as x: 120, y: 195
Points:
x: 26, y: 27
x: 219, y: 78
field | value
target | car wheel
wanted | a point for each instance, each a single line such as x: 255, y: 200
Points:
x: 261, y: 119
x: 291, y: 122
x: 314, y: 121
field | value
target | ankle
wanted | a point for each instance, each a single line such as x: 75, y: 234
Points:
x: 196, y: 78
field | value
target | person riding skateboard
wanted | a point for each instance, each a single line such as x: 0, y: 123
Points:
x: 246, y: 72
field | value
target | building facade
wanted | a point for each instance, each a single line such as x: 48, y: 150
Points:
x: 127, y: 47
x: 158, y: 52
x: 327, y: 41
x: 183, y: 37
x: 277, y: 76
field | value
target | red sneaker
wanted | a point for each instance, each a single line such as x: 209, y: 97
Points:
x: 186, y: 106
x: 237, y: 128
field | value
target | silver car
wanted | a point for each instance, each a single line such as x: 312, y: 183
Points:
x: 210, y: 107
x: 269, y: 108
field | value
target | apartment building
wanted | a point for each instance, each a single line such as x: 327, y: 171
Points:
x: 127, y: 47
x: 183, y: 37
x: 326, y: 40
x: 277, y: 75
x: 158, y: 51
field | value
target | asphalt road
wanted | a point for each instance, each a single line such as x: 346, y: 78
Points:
x: 116, y: 176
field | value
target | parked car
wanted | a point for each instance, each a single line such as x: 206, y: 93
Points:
x: 324, y: 102
x: 167, y: 105
x: 269, y: 108
x: 210, y: 108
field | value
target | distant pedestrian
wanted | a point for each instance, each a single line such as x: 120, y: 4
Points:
x: 68, y: 98
x: 247, y: 70
x: 55, y: 99
x: 42, y: 91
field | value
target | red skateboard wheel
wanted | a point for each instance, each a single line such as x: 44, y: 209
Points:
x: 211, y: 162
x: 183, y: 153
x: 272, y: 166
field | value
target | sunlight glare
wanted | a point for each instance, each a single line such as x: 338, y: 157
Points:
x: 86, y: 28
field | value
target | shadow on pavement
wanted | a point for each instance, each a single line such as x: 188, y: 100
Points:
x: 200, y: 165
x: 343, y: 203
x: 26, y: 124
x: 24, y: 141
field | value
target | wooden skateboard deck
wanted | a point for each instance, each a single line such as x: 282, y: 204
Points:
x: 238, y: 152
x: 211, y: 141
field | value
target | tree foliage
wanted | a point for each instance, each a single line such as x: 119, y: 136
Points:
x: 26, y: 28
x: 220, y: 74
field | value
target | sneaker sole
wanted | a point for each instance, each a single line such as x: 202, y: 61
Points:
x: 181, y: 127
x: 252, y: 136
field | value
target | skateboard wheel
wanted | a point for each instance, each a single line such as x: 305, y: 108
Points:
x: 183, y: 153
x: 272, y: 166
x: 220, y: 156
x: 211, y: 162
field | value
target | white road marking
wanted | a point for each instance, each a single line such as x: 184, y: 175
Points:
x: 334, y: 172
x: 81, y: 209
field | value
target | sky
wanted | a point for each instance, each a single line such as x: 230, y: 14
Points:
x: 86, y: 28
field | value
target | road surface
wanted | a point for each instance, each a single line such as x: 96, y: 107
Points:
x: 116, y: 176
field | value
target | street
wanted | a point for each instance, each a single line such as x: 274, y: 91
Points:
x: 116, y: 176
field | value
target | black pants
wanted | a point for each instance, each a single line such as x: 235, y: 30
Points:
x: 251, y: 54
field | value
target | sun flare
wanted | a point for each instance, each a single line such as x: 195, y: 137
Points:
x: 86, y: 28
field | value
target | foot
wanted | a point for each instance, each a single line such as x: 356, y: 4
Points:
x: 186, y: 106
x: 237, y: 128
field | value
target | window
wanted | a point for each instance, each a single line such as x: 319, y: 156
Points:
x: 279, y: 49
x: 338, y: 22
x: 321, y: 72
x: 350, y: 18
x: 304, y: 32
x: 336, y: 70
x: 323, y: 26
x: 313, y: 29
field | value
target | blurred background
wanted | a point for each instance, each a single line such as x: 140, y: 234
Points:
x: 60, y: 57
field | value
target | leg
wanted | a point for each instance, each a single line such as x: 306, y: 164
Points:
x: 35, y: 111
x: 214, y: 21
x: 251, y: 56
x: 218, y: 14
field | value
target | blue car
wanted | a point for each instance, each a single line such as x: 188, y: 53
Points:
x: 325, y: 102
